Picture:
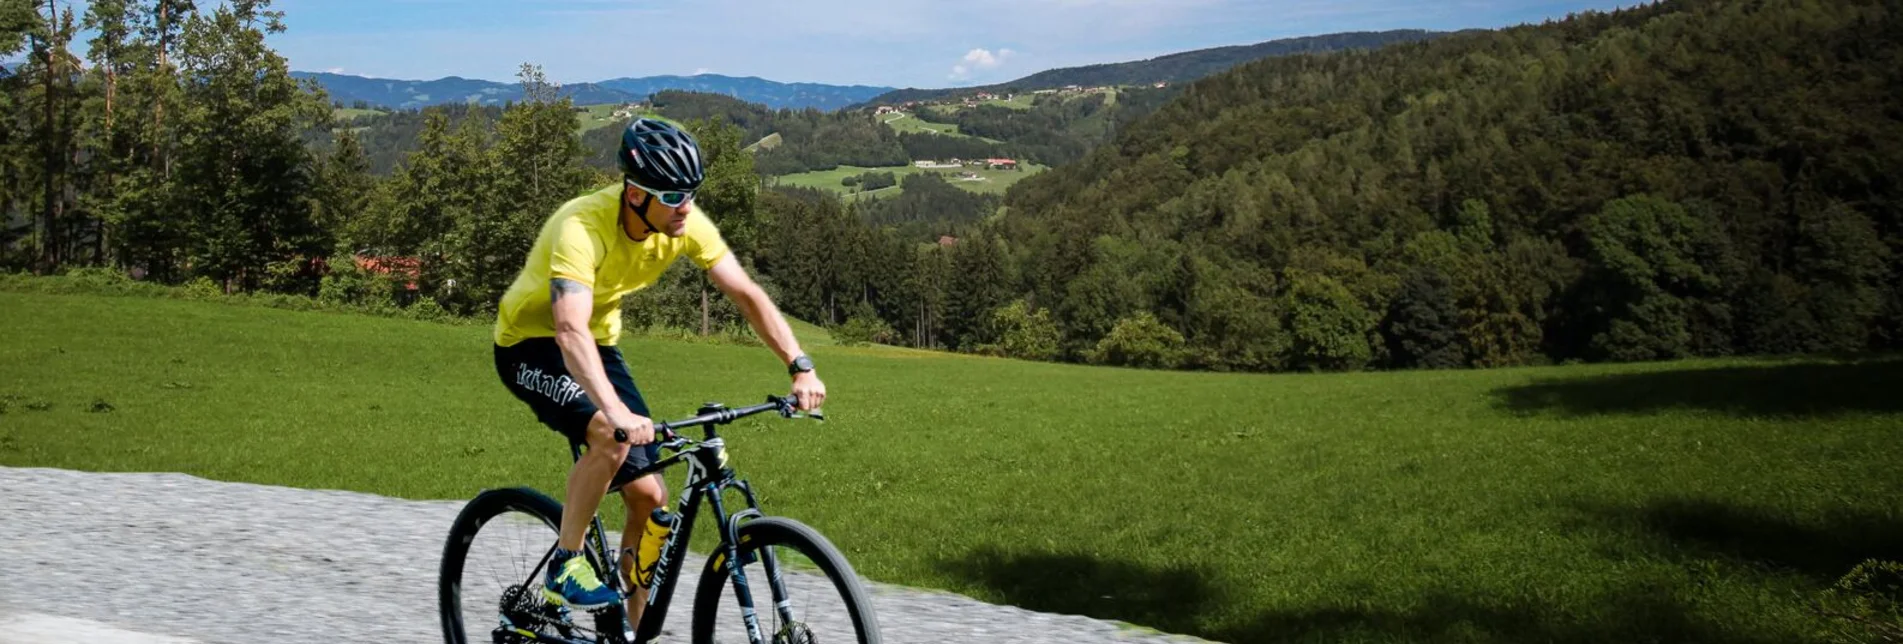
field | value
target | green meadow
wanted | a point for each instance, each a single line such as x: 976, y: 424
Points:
x: 1701, y: 501
x: 910, y: 123
x: 993, y: 181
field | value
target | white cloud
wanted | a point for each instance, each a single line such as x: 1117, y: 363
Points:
x: 978, y: 59
x: 335, y: 70
x: 984, y: 59
x: 702, y: 70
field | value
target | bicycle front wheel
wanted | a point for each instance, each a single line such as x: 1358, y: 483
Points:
x: 802, y: 589
x: 489, y: 585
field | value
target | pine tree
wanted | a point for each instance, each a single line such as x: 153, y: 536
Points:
x: 345, y: 191
x: 19, y: 24
x: 243, y: 174
x: 114, y: 54
x: 53, y: 100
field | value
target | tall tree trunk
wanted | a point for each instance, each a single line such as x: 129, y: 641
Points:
x: 160, y: 163
x: 108, y: 158
x: 50, y: 208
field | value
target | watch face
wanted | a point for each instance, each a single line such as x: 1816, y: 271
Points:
x: 802, y: 363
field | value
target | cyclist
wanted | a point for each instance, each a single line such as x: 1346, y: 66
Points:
x: 557, y: 326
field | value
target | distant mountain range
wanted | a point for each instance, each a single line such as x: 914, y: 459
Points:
x: 1174, y: 68
x: 407, y: 94
x: 753, y: 90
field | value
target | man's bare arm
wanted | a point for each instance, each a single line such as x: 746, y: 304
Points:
x: 756, y: 306
x: 767, y: 322
x: 573, y: 304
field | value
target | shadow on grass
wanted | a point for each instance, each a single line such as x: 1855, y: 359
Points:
x: 1758, y: 539
x: 1186, y: 601
x: 1795, y: 391
x: 1638, y: 614
x: 1165, y: 599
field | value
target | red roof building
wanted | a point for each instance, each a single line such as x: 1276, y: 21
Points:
x: 406, y: 267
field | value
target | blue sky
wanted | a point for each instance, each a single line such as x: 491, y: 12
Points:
x: 901, y: 43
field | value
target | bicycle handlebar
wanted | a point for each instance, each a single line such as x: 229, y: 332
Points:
x: 785, y: 405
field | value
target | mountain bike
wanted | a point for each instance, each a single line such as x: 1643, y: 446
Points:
x: 493, y: 563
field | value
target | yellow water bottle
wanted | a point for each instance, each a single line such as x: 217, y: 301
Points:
x: 660, y: 524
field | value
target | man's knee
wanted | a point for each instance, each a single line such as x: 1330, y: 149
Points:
x: 601, y: 439
x: 645, y: 492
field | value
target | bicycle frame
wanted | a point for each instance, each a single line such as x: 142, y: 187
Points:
x: 708, y: 477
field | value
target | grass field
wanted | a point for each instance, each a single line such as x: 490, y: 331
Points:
x: 1693, y: 501
x: 600, y: 116
x: 1017, y: 102
x: 348, y: 113
x: 767, y: 142
x: 912, y: 124
x: 995, y: 181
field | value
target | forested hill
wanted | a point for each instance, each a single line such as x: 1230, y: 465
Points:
x: 1693, y: 177
x: 453, y: 90
x: 810, y: 139
x: 1173, y: 68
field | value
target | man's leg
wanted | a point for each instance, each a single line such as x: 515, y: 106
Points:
x: 588, y: 480
x: 642, y: 496
x: 526, y: 369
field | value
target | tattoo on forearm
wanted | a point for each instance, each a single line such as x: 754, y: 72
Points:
x: 561, y: 286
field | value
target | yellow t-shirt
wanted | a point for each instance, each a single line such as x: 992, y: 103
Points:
x: 583, y: 241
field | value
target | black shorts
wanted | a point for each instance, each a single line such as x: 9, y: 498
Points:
x: 535, y: 372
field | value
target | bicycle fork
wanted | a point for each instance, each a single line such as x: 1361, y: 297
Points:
x: 742, y: 593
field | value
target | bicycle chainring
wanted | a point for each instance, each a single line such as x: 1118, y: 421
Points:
x: 524, y: 608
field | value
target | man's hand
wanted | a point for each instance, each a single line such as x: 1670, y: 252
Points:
x: 808, y: 390
x: 639, y: 429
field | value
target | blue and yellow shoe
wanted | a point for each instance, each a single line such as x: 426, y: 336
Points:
x: 574, y: 584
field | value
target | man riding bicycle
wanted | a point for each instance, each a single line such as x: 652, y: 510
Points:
x: 558, y: 323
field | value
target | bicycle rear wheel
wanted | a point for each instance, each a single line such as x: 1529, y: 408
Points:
x: 490, y: 584
x: 824, y: 601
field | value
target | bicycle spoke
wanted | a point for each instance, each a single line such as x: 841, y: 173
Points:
x: 507, y: 549
x: 818, y: 611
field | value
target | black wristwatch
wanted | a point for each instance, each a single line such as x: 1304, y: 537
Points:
x: 800, y: 365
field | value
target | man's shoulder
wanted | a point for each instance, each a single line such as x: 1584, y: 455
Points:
x: 593, y: 202
x: 590, y: 208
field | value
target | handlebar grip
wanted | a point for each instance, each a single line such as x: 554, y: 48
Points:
x: 662, y: 432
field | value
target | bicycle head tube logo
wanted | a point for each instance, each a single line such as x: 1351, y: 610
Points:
x: 695, y: 473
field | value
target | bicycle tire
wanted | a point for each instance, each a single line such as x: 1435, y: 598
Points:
x: 479, y: 512
x: 786, y: 533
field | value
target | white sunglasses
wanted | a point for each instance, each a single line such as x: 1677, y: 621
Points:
x: 669, y: 198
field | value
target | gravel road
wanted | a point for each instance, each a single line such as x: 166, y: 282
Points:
x: 138, y: 558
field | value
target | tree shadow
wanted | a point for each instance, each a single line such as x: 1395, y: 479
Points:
x: 1187, y: 601
x: 1168, y: 599
x: 1636, y: 614
x: 1793, y: 391
x: 1823, y: 551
